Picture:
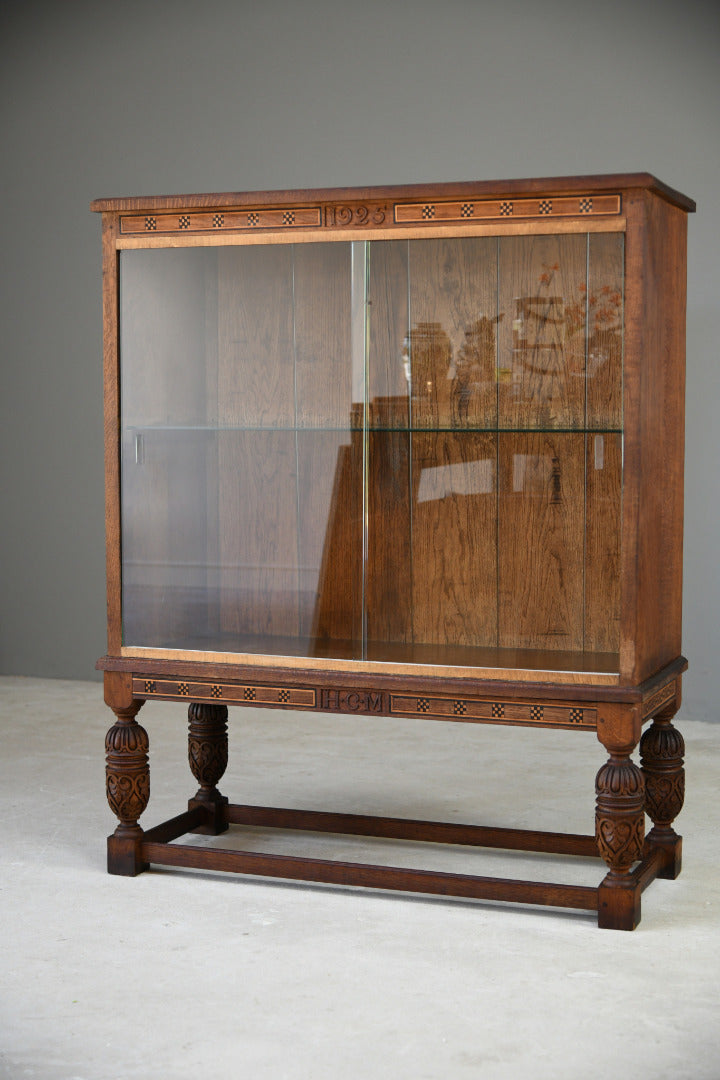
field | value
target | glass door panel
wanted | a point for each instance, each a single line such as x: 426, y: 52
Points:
x: 394, y: 450
x: 245, y: 499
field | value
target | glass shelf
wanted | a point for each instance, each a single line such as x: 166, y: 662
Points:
x: 213, y: 428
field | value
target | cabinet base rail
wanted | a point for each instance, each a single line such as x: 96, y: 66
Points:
x: 617, y: 907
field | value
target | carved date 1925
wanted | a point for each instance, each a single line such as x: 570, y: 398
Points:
x: 355, y: 215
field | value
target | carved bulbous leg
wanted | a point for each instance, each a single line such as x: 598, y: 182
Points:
x: 208, y: 757
x: 619, y: 822
x: 662, y: 749
x: 127, y: 776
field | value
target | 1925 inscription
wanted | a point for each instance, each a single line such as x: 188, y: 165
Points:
x: 355, y: 215
x: 363, y: 701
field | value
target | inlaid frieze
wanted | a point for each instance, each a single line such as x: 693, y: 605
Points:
x: 484, y: 711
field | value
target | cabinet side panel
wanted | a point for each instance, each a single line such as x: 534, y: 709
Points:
x: 541, y: 540
x: 656, y: 276
x: 454, y: 538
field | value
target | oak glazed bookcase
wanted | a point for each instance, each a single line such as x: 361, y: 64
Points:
x: 405, y: 451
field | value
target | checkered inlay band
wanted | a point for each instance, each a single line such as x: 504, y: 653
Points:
x: 459, y: 708
x: 585, y: 206
x: 498, y: 710
x: 423, y: 705
x: 216, y: 691
x: 149, y: 686
x: 183, y: 689
x: 218, y: 221
x: 289, y: 217
x: 576, y: 716
x: 545, y: 206
x: 184, y: 221
x: 284, y: 696
x: 467, y: 210
x: 151, y: 223
x: 506, y: 208
x: 428, y: 212
x: 249, y: 693
x: 536, y: 712
x: 253, y: 218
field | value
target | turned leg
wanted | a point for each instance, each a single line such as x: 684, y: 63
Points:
x: 208, y: 757
x: 662, y: 749
x: 128, y: 788
x: 620, y: 825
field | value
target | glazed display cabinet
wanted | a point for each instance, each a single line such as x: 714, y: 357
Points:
x: 411, y: 452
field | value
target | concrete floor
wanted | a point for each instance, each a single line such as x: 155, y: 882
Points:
x: 177, y: 974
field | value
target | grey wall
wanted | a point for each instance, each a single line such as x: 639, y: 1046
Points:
x: 138, y: 97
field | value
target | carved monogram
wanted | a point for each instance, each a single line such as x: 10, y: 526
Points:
x: 366, y: 701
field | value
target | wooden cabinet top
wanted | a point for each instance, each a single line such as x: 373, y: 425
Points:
x: 560, y: 187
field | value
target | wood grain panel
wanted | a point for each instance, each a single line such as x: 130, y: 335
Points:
x: 258, y: 533
x: 387, y: 347
x: 453, y: 320
x: 322, y: 291
x: 330, y: 484
x: 603, y: 516
x: 256, y: 381
x: 454, y: 538
x: 540, y: 540
x: 606, y: 258
x: 388, y: 580
x: 542, y: 331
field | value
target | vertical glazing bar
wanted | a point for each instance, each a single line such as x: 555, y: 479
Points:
x: 360, y: 267
x: 410, y: 442
x: 586, y: 436
x: 297, y: 448
x: 498, y: 316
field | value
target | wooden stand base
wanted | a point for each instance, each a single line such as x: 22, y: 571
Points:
x: 617, y: 902
x: 625, y: 793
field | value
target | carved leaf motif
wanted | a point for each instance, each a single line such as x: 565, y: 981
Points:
x: 128, y: 795
x: 664, y: 797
